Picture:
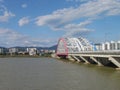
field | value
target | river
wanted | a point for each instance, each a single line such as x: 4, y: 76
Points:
x: 53, y: 74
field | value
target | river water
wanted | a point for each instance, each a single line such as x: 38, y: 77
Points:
x: 53, y: 74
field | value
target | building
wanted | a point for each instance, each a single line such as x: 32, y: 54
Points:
x: 106, y: 46
x: 98, y: 46
x: 113, y: 45
x: 2, y: 50
x: 32, y: 51
x: 118, y: 45
x: 13, y: 51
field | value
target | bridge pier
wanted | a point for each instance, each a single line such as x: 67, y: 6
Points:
x: 84, y: 59
x: 114, y: 61
x: 70, y: 58
x: 76, y: 58
x: 95, y: 60
x: 111, y: 59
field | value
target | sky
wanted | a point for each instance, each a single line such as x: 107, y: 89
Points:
x: 43, y: 22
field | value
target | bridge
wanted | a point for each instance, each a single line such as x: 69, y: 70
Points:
x: 81, y: 50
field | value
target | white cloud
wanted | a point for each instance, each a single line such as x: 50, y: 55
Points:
x: 1, y: 0
x: 77, y: 29
x: 5, y: 14
x: 23, y: 21
x: 114, y: 12
x: 24, y: 5
x: 90, y: 10
x: 77, y: 26
x: 9, y: 38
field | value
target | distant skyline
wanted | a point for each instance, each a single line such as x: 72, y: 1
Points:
x: 43, y: 22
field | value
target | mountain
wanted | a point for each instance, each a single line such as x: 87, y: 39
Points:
x: 53, y: 47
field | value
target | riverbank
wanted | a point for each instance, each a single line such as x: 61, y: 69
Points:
x: 22, y: 56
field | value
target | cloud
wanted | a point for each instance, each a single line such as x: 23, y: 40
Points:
x: 77, y: 26
x: 10, y: 38
x: 89, y: 11
x: 23, y: 21
x: 5, y: 14
x: 1, y: 0
x: 114, y: 12
x: 24, y: 5
x: 77, y: 29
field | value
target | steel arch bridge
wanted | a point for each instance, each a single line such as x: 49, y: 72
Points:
x: 73, y: 45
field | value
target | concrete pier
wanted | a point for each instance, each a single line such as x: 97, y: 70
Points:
x: 95, y: 60
x: 84, y: 59
x: 77, y: 59
x: 113, y: 60
x: 100, y: 58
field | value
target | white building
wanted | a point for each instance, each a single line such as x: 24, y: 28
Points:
x: 32, y: 51
x: 108, y: 46
x: 113, y: 45
x: 13, y: 50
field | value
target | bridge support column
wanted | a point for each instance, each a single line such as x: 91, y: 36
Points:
x: 86, y: 62
x: 76, y: 58
x: 113, y: 60
x: 70, y: 58
x: 95, y: 60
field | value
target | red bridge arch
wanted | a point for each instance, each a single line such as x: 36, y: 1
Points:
x: 62, y: 50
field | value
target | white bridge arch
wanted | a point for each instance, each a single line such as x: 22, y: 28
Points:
x: 73, y: 45
x: 81, y: 50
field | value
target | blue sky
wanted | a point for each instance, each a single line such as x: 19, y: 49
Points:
x: 43, y: 22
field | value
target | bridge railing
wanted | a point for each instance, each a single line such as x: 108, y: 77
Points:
x: 113, y: 52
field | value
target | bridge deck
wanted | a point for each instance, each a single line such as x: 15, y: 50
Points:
x: 98, y: 56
